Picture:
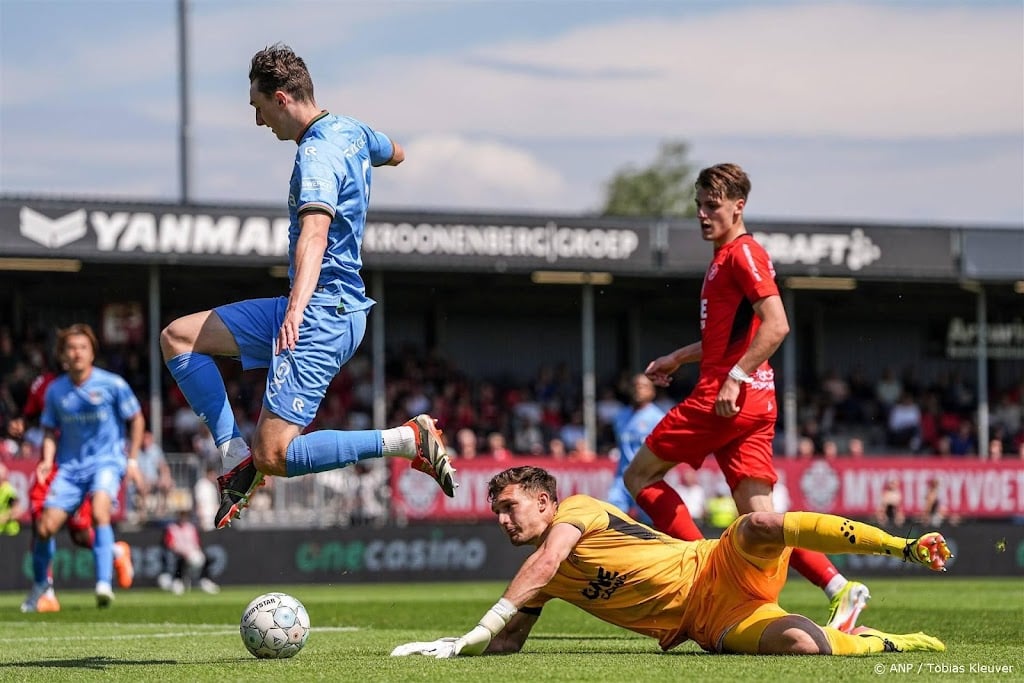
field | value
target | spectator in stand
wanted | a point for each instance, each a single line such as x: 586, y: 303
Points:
x: 581, y: 452
x: 466, y: 444
x: 931, y: 421
x: 527, y: 435
x: 203, y: 445
x: 573, y: 430
x: 805, y: 448
x: 995, y: 450
x: 607, y: 409
x: 556, y: 449
x: 890, y: 506
x: 693, y: 494
x: 963, y: 441
x: 935, y: 513
x: 1008, y: 413
x: 151, y: 482
x: 181, y: 541
x: 370, y: 507
x: 888, y: 390
x: 830, y: 449
x: 206, y: 497
x: 186, y: 426
x: 497, y: 448
x: 856, y: 447
x: 838, y: 397
x: 721, y: 507
x: 9, y: 356
x: 10, y: 506
x: 942, y: 447
x: 489, y: 413
x: 811, y: 429
x: 905, y: 424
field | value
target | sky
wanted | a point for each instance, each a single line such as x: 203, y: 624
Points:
x: 904, y: 112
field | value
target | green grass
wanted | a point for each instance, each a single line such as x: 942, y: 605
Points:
x: 150, y: 635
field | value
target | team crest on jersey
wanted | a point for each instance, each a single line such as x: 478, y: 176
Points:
x: 712, y: 272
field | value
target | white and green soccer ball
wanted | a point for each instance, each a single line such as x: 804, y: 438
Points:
x: 274, y: 626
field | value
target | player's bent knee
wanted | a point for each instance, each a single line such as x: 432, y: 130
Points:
x: 645, y: 469
x: 269, y: 458
x: 760, y: 534
x: 794, y: 635
x: 174, y: 340
x: 761, y: 528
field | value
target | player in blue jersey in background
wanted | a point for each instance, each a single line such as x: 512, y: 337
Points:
x: 85, y: 414
x: 303, y: 339
x: 632, y: 425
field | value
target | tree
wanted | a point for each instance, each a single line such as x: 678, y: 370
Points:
x: 662, y: 190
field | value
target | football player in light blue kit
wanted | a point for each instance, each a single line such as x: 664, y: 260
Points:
x: 632, y: 425
x: 303, y: 339
x: 90, y: 408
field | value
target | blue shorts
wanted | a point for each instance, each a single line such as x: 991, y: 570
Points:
x: 296, y: 380
x: 71, y: 485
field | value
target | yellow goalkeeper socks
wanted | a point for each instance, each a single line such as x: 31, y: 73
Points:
x: 831, y: 534
x: 845, y: 644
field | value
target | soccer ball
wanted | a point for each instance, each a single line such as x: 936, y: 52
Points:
x: 274, y: 626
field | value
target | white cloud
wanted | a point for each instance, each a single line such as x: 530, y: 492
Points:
x: 450, y: 170
x: 851, y: 70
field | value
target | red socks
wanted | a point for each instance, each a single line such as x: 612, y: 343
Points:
x: 814, y: 566
x: 668, y: 512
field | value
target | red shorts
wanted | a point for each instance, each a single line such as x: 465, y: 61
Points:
x: 81, y: 519
x: 742, y: 445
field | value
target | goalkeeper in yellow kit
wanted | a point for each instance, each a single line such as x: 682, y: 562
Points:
x: 722, y: 593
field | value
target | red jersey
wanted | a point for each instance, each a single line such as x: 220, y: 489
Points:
x: 740, y: 274
x: 36, y: 394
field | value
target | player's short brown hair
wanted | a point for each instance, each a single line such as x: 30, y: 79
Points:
x: 278, y: 68
x: 727, y: 181
x: 533, y: 479
x: 76, y: 329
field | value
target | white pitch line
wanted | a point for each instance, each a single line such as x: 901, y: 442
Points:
x: 142, y: 636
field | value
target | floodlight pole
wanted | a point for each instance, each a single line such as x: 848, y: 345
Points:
x: 589, y: 374
x: 982, y: 342
x: 183, y: 104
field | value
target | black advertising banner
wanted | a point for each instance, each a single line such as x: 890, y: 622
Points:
x: 434, y: 552
x: 994, y: 253
x: 443, y: 552
x: 156, y: 233
x: 870, y: 252
x: 96, y: 231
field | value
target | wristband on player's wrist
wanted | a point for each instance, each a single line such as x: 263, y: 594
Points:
x: 491, y: 624
x: 739, y: 374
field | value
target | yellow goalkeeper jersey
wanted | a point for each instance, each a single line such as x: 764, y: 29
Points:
x: 625, y: 572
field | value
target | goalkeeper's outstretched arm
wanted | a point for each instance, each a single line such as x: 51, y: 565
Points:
x: 494, y: 626
x: 511, y: 638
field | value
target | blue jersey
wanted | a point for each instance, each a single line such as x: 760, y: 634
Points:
x: 91, y: 419
x: 631, y: 429
x: 332, y: 174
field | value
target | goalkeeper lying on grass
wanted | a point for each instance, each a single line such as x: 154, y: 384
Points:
x: 722, y: 594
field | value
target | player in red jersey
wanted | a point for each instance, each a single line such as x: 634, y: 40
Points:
x: 732, y: 410
x: 79, y: 525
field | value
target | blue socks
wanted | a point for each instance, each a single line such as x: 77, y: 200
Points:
x: 199, y: 379
x: 103, y: 551
x: 42, y: 555
x: 330, y: 450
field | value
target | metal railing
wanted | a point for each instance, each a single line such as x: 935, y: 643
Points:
x: 358, y: 495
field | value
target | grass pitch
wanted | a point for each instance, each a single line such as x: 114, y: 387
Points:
x: 149, y: 635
